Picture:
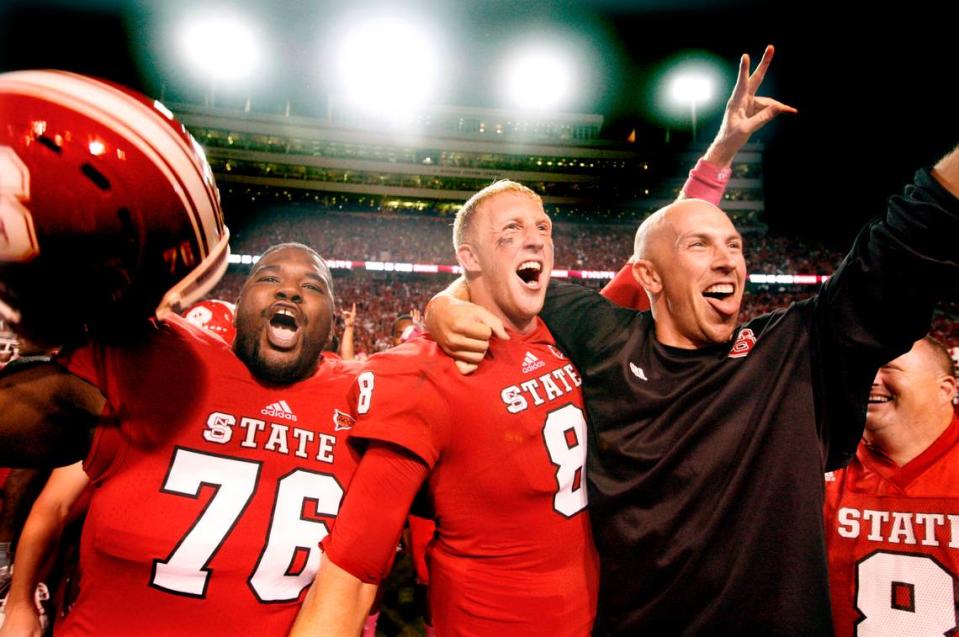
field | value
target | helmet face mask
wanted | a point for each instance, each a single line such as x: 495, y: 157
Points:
x: 9, y: 345
x: 109, y: 212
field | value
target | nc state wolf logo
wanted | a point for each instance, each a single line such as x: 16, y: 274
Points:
x: 342, y: 421
x: 744, y: 344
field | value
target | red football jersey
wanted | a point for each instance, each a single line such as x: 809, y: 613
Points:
x: 892, y: 536
x: 212, y: 491
x: 506, y: 445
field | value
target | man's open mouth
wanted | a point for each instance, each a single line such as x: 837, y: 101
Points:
x: 283, y: 328
x: 719, y: 291
x: 529, y: 272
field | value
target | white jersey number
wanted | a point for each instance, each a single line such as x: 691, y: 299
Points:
x: 365, y: 382
x: 904, y: 595
x: 291, y: 533
x: 18, y: 241
x: 565, y: 436
x: 185, y: 571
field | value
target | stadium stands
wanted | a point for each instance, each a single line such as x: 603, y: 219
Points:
x: 380, y: 297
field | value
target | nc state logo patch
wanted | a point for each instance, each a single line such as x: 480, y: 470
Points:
x: 744, y: 344
x: 555, y: 352
x: 342, y: 421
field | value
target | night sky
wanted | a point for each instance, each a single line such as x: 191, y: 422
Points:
x: 874, y: 87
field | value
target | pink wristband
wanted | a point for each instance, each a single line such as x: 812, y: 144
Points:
x: 707, y: 181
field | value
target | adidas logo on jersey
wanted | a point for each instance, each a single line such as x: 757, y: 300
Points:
x: 531, y: 363
x: 279, y: 410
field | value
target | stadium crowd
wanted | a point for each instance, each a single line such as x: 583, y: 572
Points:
x: 426, y: 239
x: 380, y: 298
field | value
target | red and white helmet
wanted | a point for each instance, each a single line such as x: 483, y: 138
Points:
x: 108, y: 208
x: 215, y: 316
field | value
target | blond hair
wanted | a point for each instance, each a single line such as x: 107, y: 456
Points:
x: 464, y: 217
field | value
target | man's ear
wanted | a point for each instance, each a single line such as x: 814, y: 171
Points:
x: 645, y: 273
x: 466, y: 256
x: 948, y: 385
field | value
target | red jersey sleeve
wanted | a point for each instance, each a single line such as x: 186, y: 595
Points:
x: 87, y: 362
x: 90, y: 363
x: 397, y: 400
x: 386, y: 482
x: 625, y: 291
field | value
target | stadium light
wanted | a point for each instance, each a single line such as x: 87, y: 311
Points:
x: 388, y: 65
x: 691, y: 88
x: 221, y: 47
x: 692, y: 82
x: 539, y: 78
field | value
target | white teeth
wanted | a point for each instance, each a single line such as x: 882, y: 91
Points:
x: 529, y: 265
x: 720, y: 288
x: 879, y: 398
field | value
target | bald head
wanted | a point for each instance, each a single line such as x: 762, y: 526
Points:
x: 662, y: 225
x: 689, y: 259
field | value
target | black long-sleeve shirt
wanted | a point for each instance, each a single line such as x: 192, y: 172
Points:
x: 705, y: 465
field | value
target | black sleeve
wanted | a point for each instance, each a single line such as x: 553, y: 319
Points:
x: 584, y: 323
x: 47, y: 416
x: 878, y: 303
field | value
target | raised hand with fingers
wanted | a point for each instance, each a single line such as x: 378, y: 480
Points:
x: 746, y: 112
x: 349, y: 317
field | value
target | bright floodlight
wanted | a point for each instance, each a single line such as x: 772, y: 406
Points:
x: 221, y: 46
x: 692, y: 85
x: 540, y: 78
x: 691, y: 88
x: 387, y: 63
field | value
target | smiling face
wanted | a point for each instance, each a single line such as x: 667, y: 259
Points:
x: 507, y: 255
x: 911, y: 390
x: 691, y: 263
x: 284, y: 315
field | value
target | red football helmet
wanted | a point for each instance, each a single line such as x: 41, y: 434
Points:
x: 108, y: 209
x: 215, y: 316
